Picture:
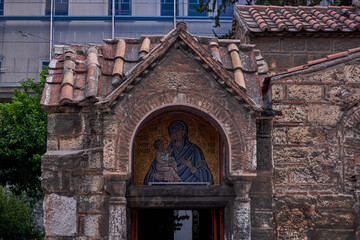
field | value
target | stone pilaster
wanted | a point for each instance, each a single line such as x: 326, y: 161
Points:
x: 241, y: 211
x: 116, y: 185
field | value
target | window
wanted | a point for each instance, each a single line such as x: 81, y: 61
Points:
x: 61, y: 7
x: 2, y: 7
x: 122, y: 7
x: 193, y: 4
x: 44, y: 64
x: 229, y: 10
x: 167, y: 8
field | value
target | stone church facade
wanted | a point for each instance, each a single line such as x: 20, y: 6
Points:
x: 266, y: 157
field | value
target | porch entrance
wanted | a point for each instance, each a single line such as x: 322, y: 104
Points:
x: 179, y: 224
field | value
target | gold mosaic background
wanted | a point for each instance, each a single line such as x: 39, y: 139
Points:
x: 200, y: 132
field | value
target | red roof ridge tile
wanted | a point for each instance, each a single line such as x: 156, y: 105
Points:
x: 325, y: 59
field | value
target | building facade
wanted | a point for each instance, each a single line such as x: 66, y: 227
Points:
x: 29, y: 31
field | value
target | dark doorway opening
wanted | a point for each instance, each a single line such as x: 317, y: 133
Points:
x: 170, y: 224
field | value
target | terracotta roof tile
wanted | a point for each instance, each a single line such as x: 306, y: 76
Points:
x: 295, y: 19
x: 108, y: 71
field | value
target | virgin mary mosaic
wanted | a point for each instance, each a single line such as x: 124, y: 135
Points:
x: 186, y: 152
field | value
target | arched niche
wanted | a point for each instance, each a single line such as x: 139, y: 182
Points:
x: 206, y: 148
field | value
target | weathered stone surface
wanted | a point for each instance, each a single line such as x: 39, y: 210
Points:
x: 279, y: 135
x: 323, y: 115
x: 305, y: 92
x: 295, y: 218
x: 291, y: 113
x: 277, y: 92
x: 60, y: 215
x: 94, y: 225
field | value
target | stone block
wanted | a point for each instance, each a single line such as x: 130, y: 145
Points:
x: 314, y: 175
x: 277, y: 92
x: 305, y: 92
x: 260, y: 201
x: 300, y: 59
x: 334, y: 235
x: 262, y: 235
x: 264, y: 153
x: 352, y: 73
x: 250, y: 154
x: 339, y: 220
x: 263, y: 183
x: 291, y: 113
x: 325, y: 115
x: 278, y: 61
x: 280, y: 176
x: 335, y: 201
x: 334, y: 75
x: 284, y: 155
x: 262, y: 220
x: 87, y: 183
x: 279, y: 135
x: 109, y: 153
x: 319, y: 44
x: 94, y: 225
x: 266, y: 44
x: 95, y: 159
x: 110, y: 127
x: 341, y: 45
x: 71, y: 142
x: 292, y: 44
x: 302, y: 135
x: 93, y: 203
x: 67, y: 123
x: 60, y: 215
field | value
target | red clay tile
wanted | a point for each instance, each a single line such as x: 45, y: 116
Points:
x: 296, y: 68
x: 336, y: 55
x: 66, y: 93
x: 307, y: 18
x: 81, y: 67
x: 317, y: 61
x: 80, y: 81
x: 54, y: 78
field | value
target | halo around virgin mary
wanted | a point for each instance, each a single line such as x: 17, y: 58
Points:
x: 190, y: 162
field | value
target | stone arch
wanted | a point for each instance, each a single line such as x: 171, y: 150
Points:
x: 232, y: 127
x: 349, y: 139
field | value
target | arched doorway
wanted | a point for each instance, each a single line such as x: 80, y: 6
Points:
x: 170, y: 199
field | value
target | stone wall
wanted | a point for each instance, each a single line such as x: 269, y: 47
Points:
x: 75, y: 204
x: 316, y: 152
x: 282, y: 53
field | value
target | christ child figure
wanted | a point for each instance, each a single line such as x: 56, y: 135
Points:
x: 165, y: 164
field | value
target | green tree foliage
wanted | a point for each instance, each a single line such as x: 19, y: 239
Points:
x: 17, y: 220
x: 23, y: 138
x: 219, y: 6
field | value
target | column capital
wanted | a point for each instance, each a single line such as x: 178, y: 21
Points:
x: 115, y: 183
x: 242, y: 184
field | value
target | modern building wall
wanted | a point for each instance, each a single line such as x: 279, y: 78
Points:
x: 25, y: 31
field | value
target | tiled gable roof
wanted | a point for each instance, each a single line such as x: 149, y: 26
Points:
x: 103, y: 73
x: 262, y: 19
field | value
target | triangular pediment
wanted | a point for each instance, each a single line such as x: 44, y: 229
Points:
x: 116, y: 67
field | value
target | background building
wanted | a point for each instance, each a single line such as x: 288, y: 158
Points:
x: 29, y: 31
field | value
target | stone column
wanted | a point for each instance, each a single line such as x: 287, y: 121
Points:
x: 116, y: 185
x: 241, y: 211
